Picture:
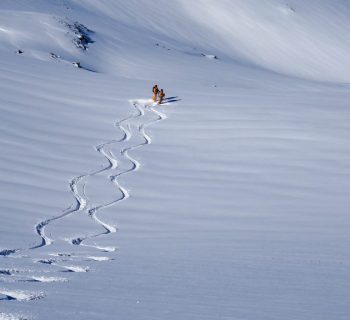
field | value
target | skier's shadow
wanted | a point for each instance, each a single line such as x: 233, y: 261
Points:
x: 172, y: 99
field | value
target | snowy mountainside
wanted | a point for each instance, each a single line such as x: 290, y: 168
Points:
x: 296, y: 38
x: 230, y: 201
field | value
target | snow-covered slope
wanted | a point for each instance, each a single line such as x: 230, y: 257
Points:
x: 307, y: 39
x: 228, y: 202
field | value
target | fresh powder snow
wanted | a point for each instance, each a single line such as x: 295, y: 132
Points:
x: 229, y: 201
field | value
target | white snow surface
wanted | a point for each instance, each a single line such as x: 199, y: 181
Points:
x: 229, y: 201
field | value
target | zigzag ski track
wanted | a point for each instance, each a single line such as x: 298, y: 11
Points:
x: 77, y: 184
x: 132, y: 127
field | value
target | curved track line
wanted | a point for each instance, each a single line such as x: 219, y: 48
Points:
x: 81, y: 200
x: 77, y: 186
x: 114, y: 178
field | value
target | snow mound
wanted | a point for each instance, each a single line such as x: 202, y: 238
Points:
x: 4, y: 316
x: 20, y: 295
x: 48, y: 279
x: 94, y: 258
x: 76, y: 268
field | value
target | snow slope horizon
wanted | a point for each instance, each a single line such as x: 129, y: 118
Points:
x: 239, y: 207
x: 297, y: 38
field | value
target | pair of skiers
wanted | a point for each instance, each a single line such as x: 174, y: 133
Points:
x: 158, y: 93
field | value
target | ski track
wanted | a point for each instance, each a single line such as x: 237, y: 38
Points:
x: 135, y: 165
x: 81, y: 200
x: 77, y: 187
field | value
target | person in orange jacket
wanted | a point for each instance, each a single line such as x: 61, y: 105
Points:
x: 161, y: 96
x: 155, y: 91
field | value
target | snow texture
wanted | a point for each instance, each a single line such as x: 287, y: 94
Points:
x: 229, y: 201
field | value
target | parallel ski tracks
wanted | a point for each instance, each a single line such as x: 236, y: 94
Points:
x: 82, y: 204
x: 78, y: 183
x: 135, y: 165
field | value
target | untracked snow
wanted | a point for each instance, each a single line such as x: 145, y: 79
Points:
x: 229, y: 201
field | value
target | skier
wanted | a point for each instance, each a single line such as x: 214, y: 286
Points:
x: 155, y: 91
x: 161, y: 96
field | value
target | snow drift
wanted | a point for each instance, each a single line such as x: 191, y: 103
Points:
x: 230, y: 201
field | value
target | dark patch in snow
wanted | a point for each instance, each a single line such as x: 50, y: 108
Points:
x: 7, y: 252
x: 200, y: 54
x: 20, y: 296
x: 5, y: 297
x: 210, y: 56
x: 75, y: 269
x: 5, y: 272
x: 47, y: 261
x: 162, y: 46
x: 54, y: 56
x: 81, y: 37
x: 171, y: 99
x: 79, y: 66
x: 77, y: 241
x: 29, y: 280
x: 64, y: 254
x: 76, y: 64
x: 290, y: 7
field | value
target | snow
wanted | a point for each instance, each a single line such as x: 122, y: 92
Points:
x: 76, y: 268
x: 10, y: 317
x: 99, y: 258
x: 230, y: 201
x: 48, y: 279
x: 20, y: 295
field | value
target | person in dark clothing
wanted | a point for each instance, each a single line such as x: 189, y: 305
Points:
x: 155, y: 91
x: 161, y: 96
